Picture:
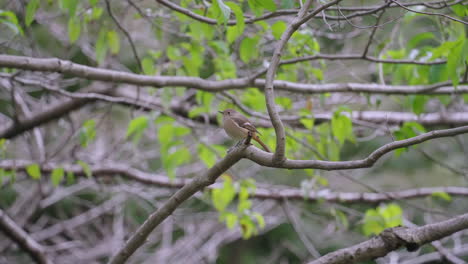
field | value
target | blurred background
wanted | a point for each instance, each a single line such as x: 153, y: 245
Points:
x: 83, y: 162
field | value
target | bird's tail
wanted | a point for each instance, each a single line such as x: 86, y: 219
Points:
x: 264, y: 146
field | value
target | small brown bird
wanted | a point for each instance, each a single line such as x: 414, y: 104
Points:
x: 238, y: 126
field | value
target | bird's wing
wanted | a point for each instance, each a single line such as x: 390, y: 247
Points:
x: 245, y: 123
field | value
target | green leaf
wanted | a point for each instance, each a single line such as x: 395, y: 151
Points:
x: 284, y: 102
x: 342, y: 127
x: 74, y: 29
x: 136, y: 127
x: 460, y: 10
x: 418, y: 103
x: 260, y: 220
x: 223, y: 11
x: 374, y: 223
x: 31, y: 9
x: 148, y: 66
x: 34, y: 171
x: 87, y: 132
x: 457, y: 55
x: 70, y: 178
x: 233, y: 32
x: 10, y: 20
x: 393, y: 215
x: 222, y: 197
x: 258, y: 6
x: 278, y: 28
x: 268, y: 5
x: 101, y: 46
x: 307, y: 122
x: 416, y: 39
x: 70, y: 6
x: 113, y: 41
x: 165, y: 134
x: 247, y: 227
x: 93, y: 2
x: 86, y: 168
x: 231, y: 219
x: 57, y: 176
x: 248, y: 49
x: 442, y: 195
x: 206, y: 155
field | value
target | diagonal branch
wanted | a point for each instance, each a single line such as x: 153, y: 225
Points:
x: 394, y: 238
x: 156, y: 218
x: 23, y: 239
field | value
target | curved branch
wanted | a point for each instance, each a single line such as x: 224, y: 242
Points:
x: 23, y: 239
x: 301, y: 18
x: 427, y: 13
x: 125, y: 32
x: 261, y: 192
x: 156, y: 218
x: 100, y: 74
x: 265, y: 159
x: 394, y: 238
x: 358, y: 11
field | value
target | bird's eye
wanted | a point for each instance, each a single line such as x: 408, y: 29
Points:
x: 228, y: 113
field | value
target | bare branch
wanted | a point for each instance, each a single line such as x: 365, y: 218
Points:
x: 265, y: 159
x: 301, y: 18
x: 270, y: 192
x: 23, y: 239
x: 156, y: 218
x: 100, y: 74
x: 127, y: 35
x: 427, y: 13
x: 394, y: 238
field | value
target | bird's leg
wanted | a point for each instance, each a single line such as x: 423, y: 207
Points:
x: 235, y: 146
x: 248, y: 138
x: 245, y: 141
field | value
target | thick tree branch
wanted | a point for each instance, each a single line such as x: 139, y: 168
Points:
x: 23, y: 239
x: 156, y: 218
x: 49, y: 114
x: 100, y: 74
x: 265, y: 159
x: 394, y: 238
x: 261, y: 192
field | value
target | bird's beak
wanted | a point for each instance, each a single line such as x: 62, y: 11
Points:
x: 221, y: 112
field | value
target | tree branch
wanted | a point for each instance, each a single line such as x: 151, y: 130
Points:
x: 265, y: 159
x: 156, y: 218
x: 100, y: 74
x: 301, y: 18
x: 261, y: 192
x: 394, y: 238
x: 23, y: 239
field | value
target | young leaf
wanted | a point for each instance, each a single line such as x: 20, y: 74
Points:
x: 148, y: 66
x: 57, y: 176
x: 10, y: 20
x: 114, y: 41
x: 233, y: 32
x: 101, y: 46
x: 86, y: 168
x: 74, y: 29
x: 31, y: 9
x: 248, y: 49
x: 87, y: 132
x: 34, y: 171
x: 136, y: 127
x: 278, y: 28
